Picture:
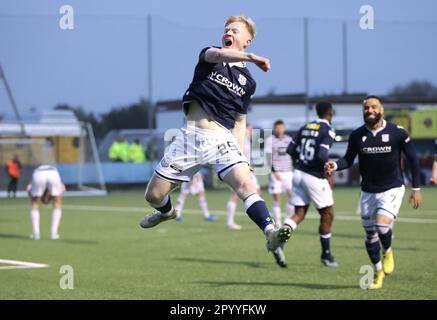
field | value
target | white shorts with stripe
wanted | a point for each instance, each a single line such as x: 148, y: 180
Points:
x: 194, y: 148
x: 389, y: 202
x: 308, y: 188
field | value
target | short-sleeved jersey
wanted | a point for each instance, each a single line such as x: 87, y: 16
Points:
x: 223, y: 90
x: 281, y: 161
x: 379, y: 156
x: 309, y: 139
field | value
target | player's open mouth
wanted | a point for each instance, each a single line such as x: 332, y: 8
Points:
x: 228, y: 42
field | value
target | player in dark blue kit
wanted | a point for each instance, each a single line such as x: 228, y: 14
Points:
x: 379, y: 145
x: 310, y: 151
x: 215, y: 106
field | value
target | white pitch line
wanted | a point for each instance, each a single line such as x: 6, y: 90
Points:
x: 340, y: 215
x: 21, y: 265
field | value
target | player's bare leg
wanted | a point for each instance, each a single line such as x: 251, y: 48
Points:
x: 240, y: 181
x: 34, y: 218
x: 157, y: 195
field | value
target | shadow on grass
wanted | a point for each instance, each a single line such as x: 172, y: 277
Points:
x: 280, y: 284
x: 67, y: 241
x: 13, y: 236
x: 215, y: 261
x: 77, y: 241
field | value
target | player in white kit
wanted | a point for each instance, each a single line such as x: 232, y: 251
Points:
x: 46, y: 185
x: 281, y: 176
x: 195, y: 187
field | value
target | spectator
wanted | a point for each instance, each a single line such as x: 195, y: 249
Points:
x: 136, y: 152
x: 119, y: 150
x: 13, y: 167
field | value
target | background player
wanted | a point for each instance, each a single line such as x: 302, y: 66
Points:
x: 46, y: 185
x: 195, y: 187
x: 281, y: 176
x: 215, y: 106
x: 310, y: 151
x: 379, y: 145
x: 434, y: 166
x: 232, y: 203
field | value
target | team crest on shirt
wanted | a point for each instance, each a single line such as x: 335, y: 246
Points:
x: 242, y: 80
x: 385, y: 138
x: 364, y: 138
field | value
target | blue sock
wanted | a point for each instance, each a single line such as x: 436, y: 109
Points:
x: 326, y: 247
x: 373, y: 250
x: 165, y: 205
x: 385, y: 235
x: 257, y: 211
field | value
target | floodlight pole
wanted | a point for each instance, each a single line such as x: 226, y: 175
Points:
x: 11, y: 99
x: 345, y: 71
x: 306, y: 68
x: 150, y: 72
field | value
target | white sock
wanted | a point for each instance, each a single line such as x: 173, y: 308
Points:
x: 56, y: 220
x: 231, y: 212
x: 378, y: 266
x: 289, y: 210
x: 180, y: 202
x: 34, y: 219
x: 204, y: 206
x: 291, y: 223
x: 277, y: 212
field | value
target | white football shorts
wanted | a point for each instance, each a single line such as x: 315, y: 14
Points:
x: 195, y: 186
x: 193, y: 148
x: 49, y: 179
x: 389, y: 201
x: 283, y: 185
x: 308, y: 188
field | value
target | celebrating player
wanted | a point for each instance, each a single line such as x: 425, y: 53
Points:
x: 281, y: 176
x: 46, y: 185
x: 310, y: 150
x: 215, y: 106
x: 379, y: 145
x: 195, y: 187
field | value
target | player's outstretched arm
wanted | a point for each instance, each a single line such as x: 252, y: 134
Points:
x: 218, y: 55
x: 345, y: 162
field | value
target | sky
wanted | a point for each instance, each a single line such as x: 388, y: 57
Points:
x: 102, y: 62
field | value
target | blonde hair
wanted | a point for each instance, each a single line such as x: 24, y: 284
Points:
x: 248, y: 23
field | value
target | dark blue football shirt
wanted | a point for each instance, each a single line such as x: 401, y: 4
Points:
x: 223, y: 90
x: 379, y: 156
x: 311, y: 146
